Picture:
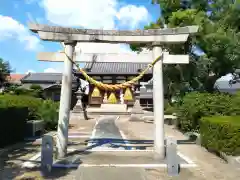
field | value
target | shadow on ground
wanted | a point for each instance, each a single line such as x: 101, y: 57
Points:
x: 9, y: 163
x: 11, y: 160
x: 19, y: 173
x: 122, y: 142
x: 116, y: 143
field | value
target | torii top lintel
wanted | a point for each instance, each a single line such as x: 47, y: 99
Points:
x: 57, y: 33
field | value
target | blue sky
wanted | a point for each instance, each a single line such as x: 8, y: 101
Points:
x: 19, y: 46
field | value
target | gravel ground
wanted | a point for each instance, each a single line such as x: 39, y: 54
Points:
x: 209, y: 166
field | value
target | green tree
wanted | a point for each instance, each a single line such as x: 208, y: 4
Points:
x: 5, y: 71
x: 36, y: 91
x: 218, y: 38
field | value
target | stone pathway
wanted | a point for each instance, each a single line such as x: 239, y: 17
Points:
x: 106, y: 133
x: 106, y: 129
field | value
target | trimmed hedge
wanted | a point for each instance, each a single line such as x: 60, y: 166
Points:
x: 28, y: 92
x: 38, y: 109
x: 29, y: 102
x: 16, y: 110
x: 13, y: 122
x: 221, y: 134
x: 195, y: 105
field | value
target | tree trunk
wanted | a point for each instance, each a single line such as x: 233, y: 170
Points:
x: 209, y: 83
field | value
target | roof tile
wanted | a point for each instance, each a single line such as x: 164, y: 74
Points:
x: 44, y: 77
x: 15, y: 77
x: 116, y: 68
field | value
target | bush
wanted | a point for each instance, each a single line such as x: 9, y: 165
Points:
x: 35, y: 87
x: 31, y: 103
x: 21, y: 91
x: 13, y: 122
x: 38, y: 109
x: 48, y: 112
x: 169, y: 110
x: 221, y: 134
x: 35, y: 91
x: 166, y: 104
x: 10, y: 88
x: 194, y: 106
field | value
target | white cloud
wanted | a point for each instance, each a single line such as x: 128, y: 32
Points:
x: 131, y: 15
x: 96, y: 14
x: 51, y: 70
x: 93, y: 14
x: 11, y: 28
x: 85, y: 13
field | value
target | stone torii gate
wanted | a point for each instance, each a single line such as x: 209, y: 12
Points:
x: 70, y: 36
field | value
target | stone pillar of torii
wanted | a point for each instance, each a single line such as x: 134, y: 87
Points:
x: 156, y: 37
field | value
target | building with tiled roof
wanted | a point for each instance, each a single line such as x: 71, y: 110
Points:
x: 110, y: 73
x: 49, y: 82
x: 15, y: 78
x: 115, y: 73
x: 45, y: 80
x: 116, y: 68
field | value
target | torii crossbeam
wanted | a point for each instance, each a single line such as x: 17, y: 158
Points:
x: 169, y: 35
x: 113, y: 57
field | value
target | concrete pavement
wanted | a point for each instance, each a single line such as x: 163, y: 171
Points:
x: 106, y: 129
x: 105, y: 133
x: 111, y: 173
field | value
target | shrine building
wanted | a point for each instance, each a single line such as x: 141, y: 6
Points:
x: 114, y: 73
